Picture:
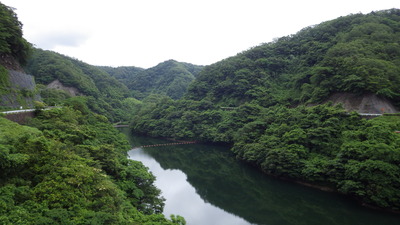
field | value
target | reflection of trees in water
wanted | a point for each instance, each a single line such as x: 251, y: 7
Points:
x: 242, y: 190
x: 138, y: 140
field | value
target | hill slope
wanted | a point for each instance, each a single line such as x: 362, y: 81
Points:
x: 357, y: 53
x: 273, y: 124
x: 16, y: 88
x: 49, y: 66
x: 69, y: 166
x: 170, y: 78
x: 12, y: 45
x: 103, y: 92
x: 123, y: 73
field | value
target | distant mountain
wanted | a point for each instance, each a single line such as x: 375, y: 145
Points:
x: 170, y: 78
x: 266, y: 103
x: 123, y: 73
x: 48, y: 66
x: 357, y: 54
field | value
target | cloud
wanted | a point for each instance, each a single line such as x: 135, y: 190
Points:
x: 144, y: 33
x: 51, y: 40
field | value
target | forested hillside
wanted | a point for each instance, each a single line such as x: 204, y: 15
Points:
x: 104, y: 94
x: 108, y: 90
x: 125, y: 74
x: 170, y: 78
x: 270, y: 122
x: 69, y: 165
x: 357, y: 53
x: 16, y: 89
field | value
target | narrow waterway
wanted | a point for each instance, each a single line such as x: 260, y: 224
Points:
x: 207, y: 185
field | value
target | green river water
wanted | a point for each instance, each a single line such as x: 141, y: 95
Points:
x: 206, y: 185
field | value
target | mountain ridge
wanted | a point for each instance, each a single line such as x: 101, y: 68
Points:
x: 356, y: 53
x: 277, y: 119
x: 170, y: 78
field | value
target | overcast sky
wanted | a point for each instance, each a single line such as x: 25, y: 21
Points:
x: 144, y: 33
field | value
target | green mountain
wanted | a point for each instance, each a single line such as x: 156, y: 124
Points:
x: 49, y: 66
x: 170, y: 78
x: 357, y: 54
x: 103, y: 93
x: 123, y: 73
x: 267, y: 104
x: 68, y: 165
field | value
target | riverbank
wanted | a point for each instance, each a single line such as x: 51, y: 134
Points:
x: 326, y: 189
x: 208, y: 176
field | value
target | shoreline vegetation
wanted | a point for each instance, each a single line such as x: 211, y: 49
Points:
x: 72, y: 166
x: 331, y: 189
x: 277, y: 119
x: 319, y: 144
x: 268, y: 102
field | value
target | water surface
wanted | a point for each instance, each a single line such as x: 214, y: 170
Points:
x: 207, y: 185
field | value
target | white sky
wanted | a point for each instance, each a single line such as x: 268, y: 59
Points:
x: 144, y: 33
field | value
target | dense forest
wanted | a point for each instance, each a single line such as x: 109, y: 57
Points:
x: 357, y: 53
x: 264, y: 103
x: 112, y: 92
x: 268, y: 103
x: 68, y: 165
x: 12, y: 44
x: 104, y: 94
x: 124, y: 74
x: 170, y: 78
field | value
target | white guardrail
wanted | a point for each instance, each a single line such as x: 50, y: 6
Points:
x: 18, y: 111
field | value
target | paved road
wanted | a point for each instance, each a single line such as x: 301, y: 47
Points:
x: 370, y: 114
x: 18, y: 111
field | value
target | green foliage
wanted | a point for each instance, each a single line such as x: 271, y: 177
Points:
x: 124, y: 74
x: 256, y: 101
x: 170, y: 78
x: 73, y: 169
x: 39, y: 105
x: 103, y: 93
x: 357, y: 53
x: 48, y: 66
x: 52, y: 96
x: 11, y: 40
x: 322, y: 145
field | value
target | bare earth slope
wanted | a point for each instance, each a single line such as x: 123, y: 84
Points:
x: 365, y: 103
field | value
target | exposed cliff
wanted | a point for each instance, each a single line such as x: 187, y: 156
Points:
x: 56, y: 84
x: 365, y: 103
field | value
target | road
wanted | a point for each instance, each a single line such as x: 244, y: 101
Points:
x: 18, y: 111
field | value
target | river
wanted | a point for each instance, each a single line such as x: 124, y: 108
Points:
x: 207, y: 186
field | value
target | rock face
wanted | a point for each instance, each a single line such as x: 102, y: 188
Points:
x: 9, y: 62
x: 365, y: 103
x: 21, y: 80
x: 22, y: 90
x: 56, y: 84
